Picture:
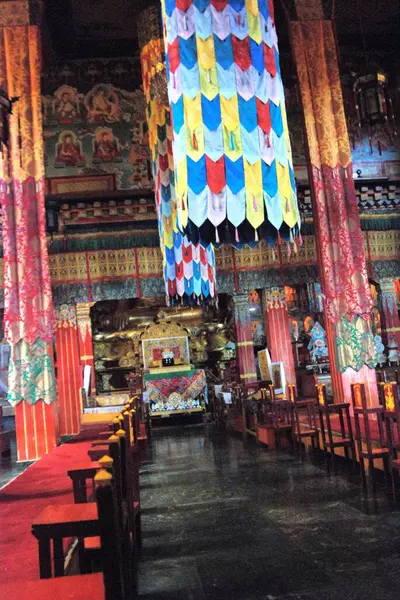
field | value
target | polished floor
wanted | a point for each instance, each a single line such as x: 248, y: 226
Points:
x: 223, y: 520
x: 9, y: 468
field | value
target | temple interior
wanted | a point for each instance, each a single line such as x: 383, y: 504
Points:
x: 199, y: 299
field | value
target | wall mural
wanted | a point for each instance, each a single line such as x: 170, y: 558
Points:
x: 99, y: 130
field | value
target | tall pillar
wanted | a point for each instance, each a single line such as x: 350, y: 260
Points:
x: 85, y: 337
x: 244, y: 340
x: 28, y: 312
x: 69, y: 371
x: 390, y: 313
x: 276, y: 319
x: 341, y: 258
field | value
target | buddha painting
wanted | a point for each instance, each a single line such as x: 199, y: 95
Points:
x: 69, y: 151
x: 102, y: 105
x: 105, y: 147
x: 66, y: 105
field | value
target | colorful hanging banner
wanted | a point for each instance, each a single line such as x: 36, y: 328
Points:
x: 189, y: 269
x: 233, y: 163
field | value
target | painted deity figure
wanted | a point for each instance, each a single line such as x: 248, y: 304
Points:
x: 68, y: 151
x: 102, y: 105
x: 317, y: 345
x: 106, y: 148
x: 66, y: 105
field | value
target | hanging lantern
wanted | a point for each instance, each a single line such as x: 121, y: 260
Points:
x: 371, y: 91
x: 189, y: 269
x: 233, y: 164
x: 374, y: 105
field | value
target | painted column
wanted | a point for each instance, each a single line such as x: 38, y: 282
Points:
x: 69, y: 370
x: 244, y: 339
x: 28, y: 312
x: 85, y: 338
x: 276, y: 319
x: 390, y: 313
x: 341, y: 259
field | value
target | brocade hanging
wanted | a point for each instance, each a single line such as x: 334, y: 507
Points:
x: 233, y: 165
x: 341, y: 257
x: 28, y: 310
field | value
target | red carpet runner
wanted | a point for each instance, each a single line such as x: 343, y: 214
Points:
x: 45, y: 482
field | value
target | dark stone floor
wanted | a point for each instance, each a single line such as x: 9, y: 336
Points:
x: 227, y: 521
x: 9, y: 468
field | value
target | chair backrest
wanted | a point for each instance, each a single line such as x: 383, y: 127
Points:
x: 282, y: 413
x: 123, y: 457
x: 115, y: 454
x: 361, y: 408
x: 321, y: 394
x: 390, y: 397
x: 358, y: 396
x: 292, y: 392
x: 111, y: 554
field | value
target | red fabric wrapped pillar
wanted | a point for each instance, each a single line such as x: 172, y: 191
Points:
x: 85, y: 337
x: 276, y: 319
x: 341, y: 258
x: 28, y: 310
x: 36, y: 428
x: 244, y: 340
x: 69, y: 371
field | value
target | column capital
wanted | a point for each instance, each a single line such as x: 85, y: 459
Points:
x: 83, y: 311
x: 388, y: 295
x: 14, y: 13
x: 149, y: 24
x: 65, y: 315
x: 309, y: 10
x: 240, y: 298
x: 274, y: 298
x: 387, y: 285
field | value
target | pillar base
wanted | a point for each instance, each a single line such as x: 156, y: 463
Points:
x: 36, y: 428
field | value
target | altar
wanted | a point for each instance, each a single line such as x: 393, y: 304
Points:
x: 171, y: 383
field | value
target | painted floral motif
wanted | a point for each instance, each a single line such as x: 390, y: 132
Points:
x: 31, y: 375
x: 355, y: 345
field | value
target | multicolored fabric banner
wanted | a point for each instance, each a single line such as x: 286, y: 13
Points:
x: 189, y: 269
x: 233, y: 165
x: 28, y: 311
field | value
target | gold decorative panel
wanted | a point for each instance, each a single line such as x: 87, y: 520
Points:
x: 143, y: 262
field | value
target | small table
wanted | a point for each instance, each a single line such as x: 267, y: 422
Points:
x: 62, y: 521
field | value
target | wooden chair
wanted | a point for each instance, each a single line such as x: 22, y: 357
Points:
x: 108, y: 585
x: 342, y: 438
x: 304, y: 419
x: 390, y: 399
x: 57, y: 522
x: 81, y: 473
x: 282, y: 420
x: 127, y: 466
x: 366, y: 449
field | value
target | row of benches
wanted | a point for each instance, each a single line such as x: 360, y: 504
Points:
x: 104, y: 522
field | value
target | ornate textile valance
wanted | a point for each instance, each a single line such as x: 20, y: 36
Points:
x: 189, y: 269
x: 234, y: 178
